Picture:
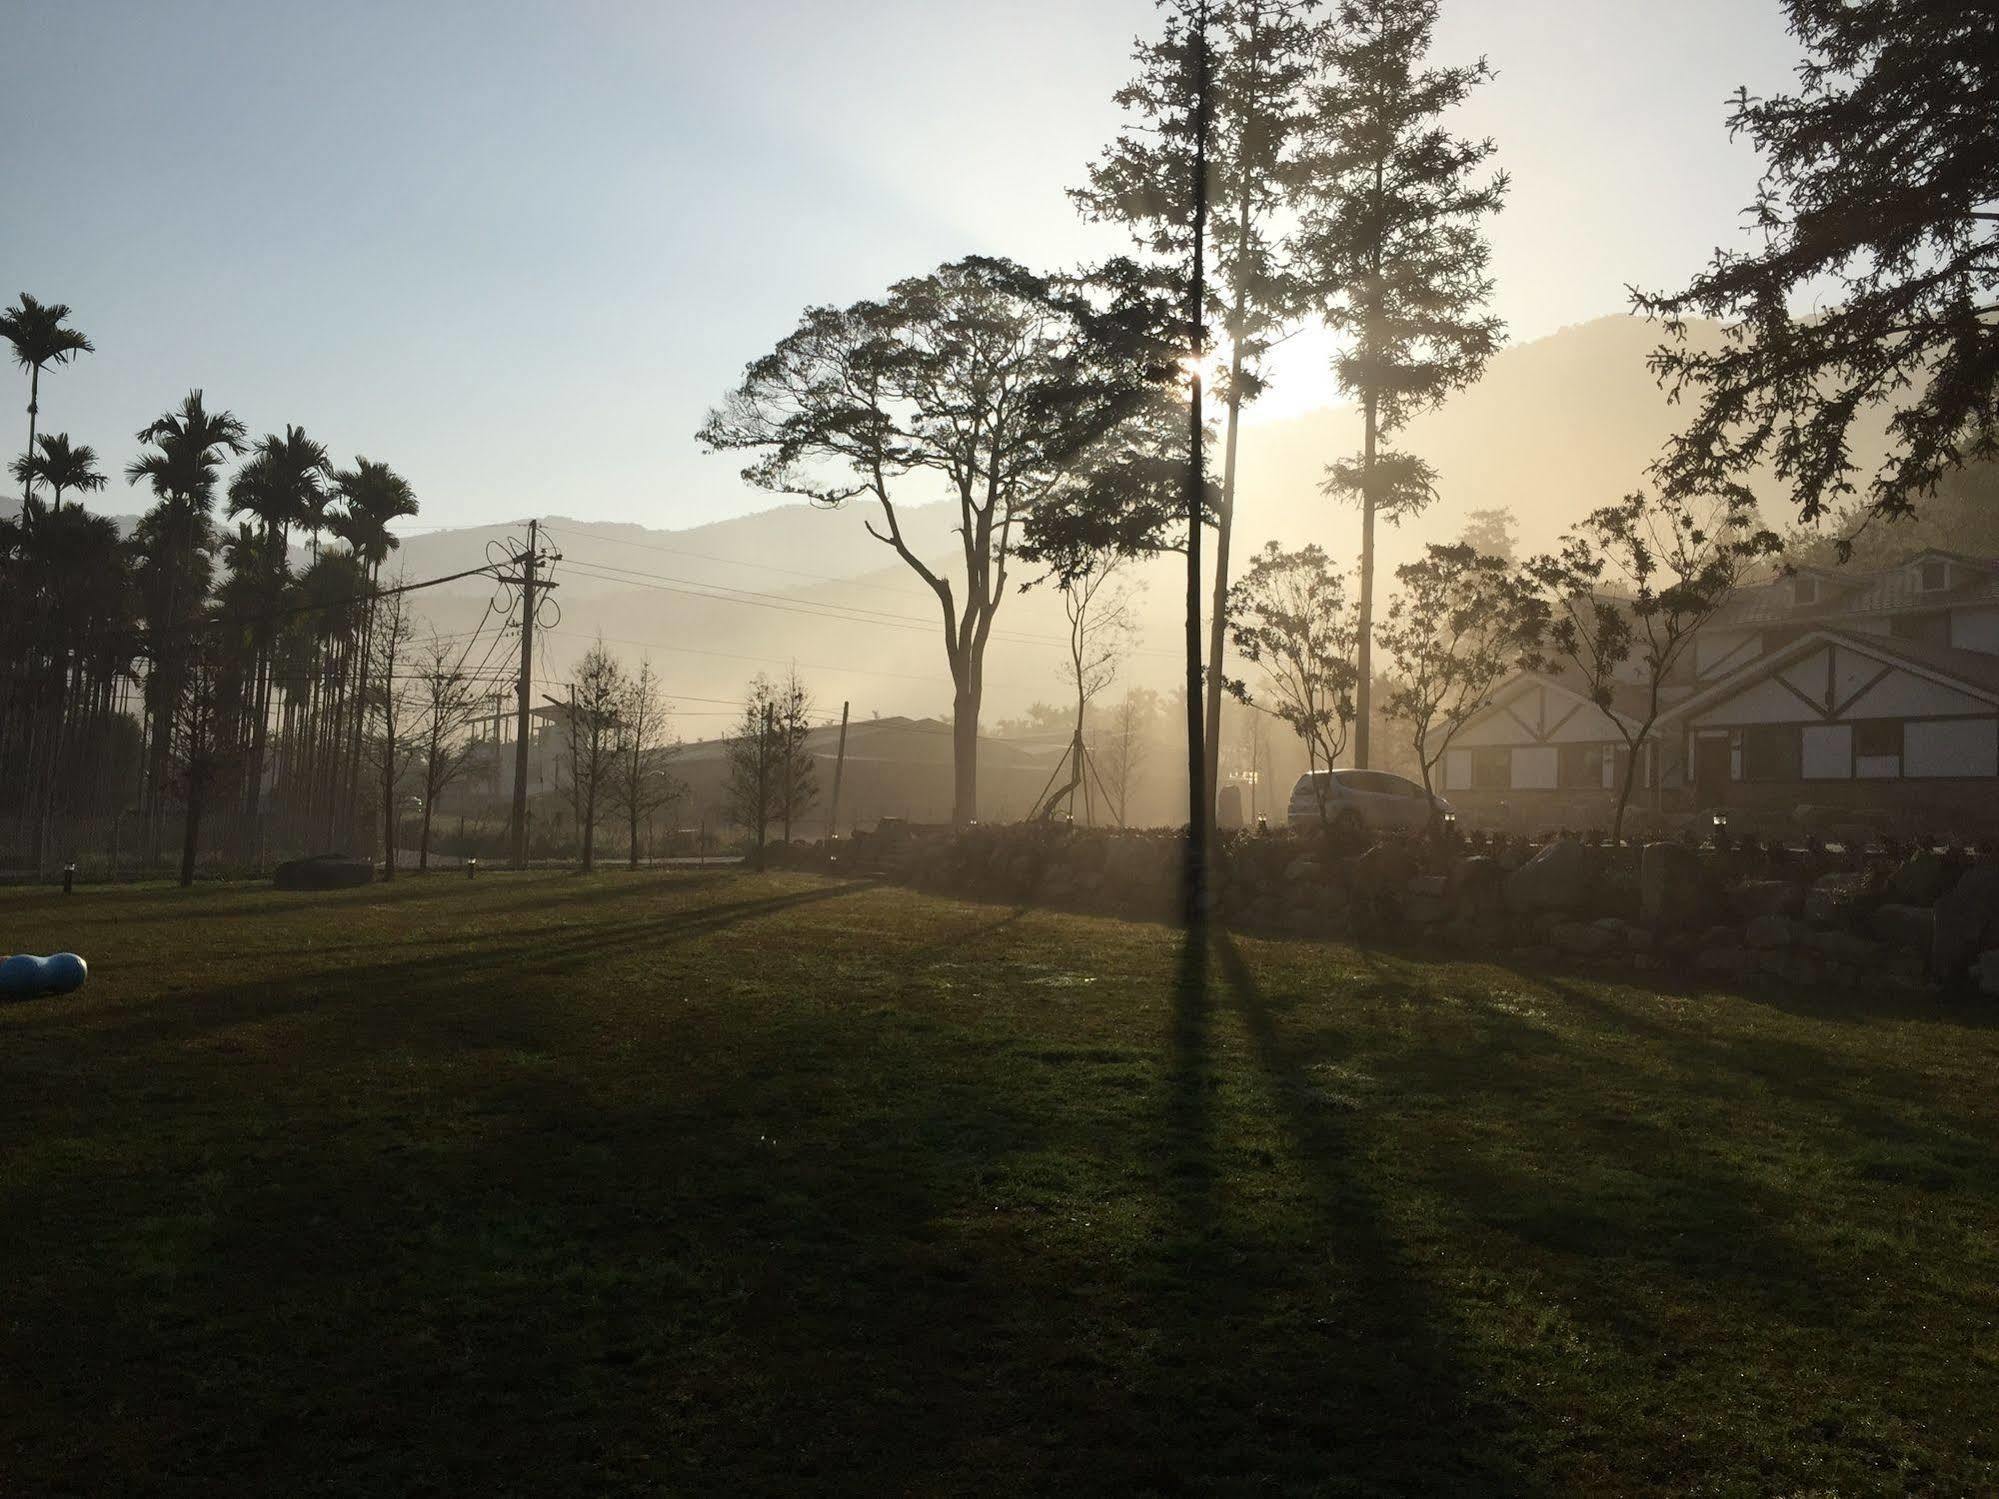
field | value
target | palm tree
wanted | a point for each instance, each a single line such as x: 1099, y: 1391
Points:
x: 59, y: 466
x: 39, y: 338
x: 284, y: 485
x: 188, y: 445
x: 375, y: 495
x: 67, y: 642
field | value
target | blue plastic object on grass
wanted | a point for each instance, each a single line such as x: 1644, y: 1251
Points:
x: 64, y: 973
x: 24, y: 975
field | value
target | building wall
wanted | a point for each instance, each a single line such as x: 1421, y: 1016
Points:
x: 1976, y: 628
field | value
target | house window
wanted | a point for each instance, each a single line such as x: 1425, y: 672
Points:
x: 1581, y: 766
x: 1492, y: 769
x: 1935, y: 575
x: 1876, y: 738
x: 1771, y: 752
x: 1804, y: 590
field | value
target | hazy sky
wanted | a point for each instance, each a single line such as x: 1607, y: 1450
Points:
x: 517, y: 250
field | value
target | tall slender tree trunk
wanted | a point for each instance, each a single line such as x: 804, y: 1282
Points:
x: 34, y: 406
x: 632, y: 810
x: 388, y: 800
x: 1195, y: 899
x: 1219, y: 599
x: 1364, y: 644
x: 586, y: 810
x: 965, y: 703
x: 191, y: 826
x: 1225, y: 517
x: 374, y: 576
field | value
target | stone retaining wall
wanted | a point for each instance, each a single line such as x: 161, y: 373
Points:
x: 1901, y: 918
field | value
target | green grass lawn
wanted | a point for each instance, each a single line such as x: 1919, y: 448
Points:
x: 716, y: 1183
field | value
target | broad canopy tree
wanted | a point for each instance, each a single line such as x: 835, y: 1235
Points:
x: 1879, y: 211
x: 982, y: 378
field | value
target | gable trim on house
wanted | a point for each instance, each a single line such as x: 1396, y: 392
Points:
x: 1968, y: 674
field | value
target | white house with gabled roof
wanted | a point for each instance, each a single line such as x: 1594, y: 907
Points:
x: 1822, y: 687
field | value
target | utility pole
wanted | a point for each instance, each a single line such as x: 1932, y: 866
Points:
x: 530, y: 587
x: 839, y: 768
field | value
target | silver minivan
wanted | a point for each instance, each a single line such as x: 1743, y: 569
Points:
x: 1364, y: 799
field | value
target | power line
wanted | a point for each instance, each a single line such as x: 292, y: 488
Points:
x: 850, y: 613
x: 770, y: 567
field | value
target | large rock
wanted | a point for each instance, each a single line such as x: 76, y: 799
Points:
x: 1835, y: 899
x: 1585, y: 939
x: 1672, y: 886
x: 1752, y: 898
x: 1841, y: 947
x: 1558, y: 878
x: 323, y: 872
x: 1967, y: 922
x: 1986, y: 972
x: 1385, y: 868
x: 1922, y: 877
x: 1766, y: 932
x: 1912, y: 928
x: 1724, y: 962
x: 1478, y: 884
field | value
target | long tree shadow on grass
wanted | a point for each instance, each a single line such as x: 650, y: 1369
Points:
x: 450, y: 975
x: 1377, y: 1383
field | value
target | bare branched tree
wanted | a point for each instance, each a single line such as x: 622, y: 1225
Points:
x: 446, y: 708
x: 597, y: 694
x: 1459, y: 624
x: 642, y: 782
x: 393, y: 715
x: 1628, y: 589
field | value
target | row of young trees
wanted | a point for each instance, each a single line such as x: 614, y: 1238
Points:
x: 773, y: 777
x: 1615, y: 607
x: 620, y: 743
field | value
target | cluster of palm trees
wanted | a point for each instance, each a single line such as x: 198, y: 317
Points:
x: 184, y: 673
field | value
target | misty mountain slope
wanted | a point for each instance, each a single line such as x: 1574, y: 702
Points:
x: 1558, y: 426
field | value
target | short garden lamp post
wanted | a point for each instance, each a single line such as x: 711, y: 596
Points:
x: 68, y: 877
x: 471, y: 868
